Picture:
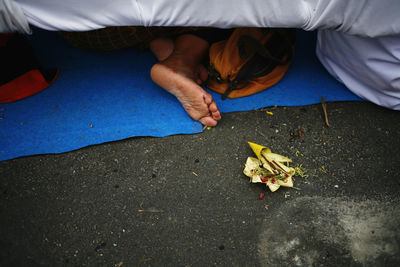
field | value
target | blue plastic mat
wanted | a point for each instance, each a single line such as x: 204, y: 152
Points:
x: 107, y: 96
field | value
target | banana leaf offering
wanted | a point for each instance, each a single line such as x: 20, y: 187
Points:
x: 269, y: 168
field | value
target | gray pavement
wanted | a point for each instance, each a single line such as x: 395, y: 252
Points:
x: 183, y: 200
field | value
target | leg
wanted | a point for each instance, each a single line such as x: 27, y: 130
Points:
x: 162, y: 48
x: 181, y: 72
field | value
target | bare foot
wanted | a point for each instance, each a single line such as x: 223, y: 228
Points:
x: 197, y: 102
x: 181, y: 74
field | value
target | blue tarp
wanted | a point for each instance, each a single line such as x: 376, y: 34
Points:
x: 107, y: 96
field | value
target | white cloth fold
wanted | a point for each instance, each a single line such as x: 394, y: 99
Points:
x: 368, y: 18
x: 12, y: 18
x: 80, y: 15
x: 369, y: 67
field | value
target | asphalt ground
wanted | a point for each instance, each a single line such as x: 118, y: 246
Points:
x: 183, y: 200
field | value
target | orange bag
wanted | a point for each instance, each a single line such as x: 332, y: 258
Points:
x: 250, y: 61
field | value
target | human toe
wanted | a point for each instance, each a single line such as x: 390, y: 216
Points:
x: 215, y: 114
x: 208, y: 121
x: 207, y: 98
x: 213, y: 106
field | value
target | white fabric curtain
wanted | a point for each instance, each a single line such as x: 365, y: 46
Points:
x: 369, y: 18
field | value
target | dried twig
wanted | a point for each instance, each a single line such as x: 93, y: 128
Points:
x: 323, y: 103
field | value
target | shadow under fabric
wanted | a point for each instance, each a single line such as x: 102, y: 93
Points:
x: 20, y: 72
x: 116, y: 38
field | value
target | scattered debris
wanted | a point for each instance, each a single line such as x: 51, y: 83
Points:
x: 296, y: 188
x: 261, y: 196
x: 152, y: 210
x: 323, y: 103
x: 195, y: 174
x: 263, y: 135
x: 301, y: 171
x: 269, y: 113
x: 143, y: 259
x: 119, y: 264
x: 99, y: 247
x: 323, y: 169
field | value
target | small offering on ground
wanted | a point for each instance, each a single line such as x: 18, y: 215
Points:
x: 269, y: 168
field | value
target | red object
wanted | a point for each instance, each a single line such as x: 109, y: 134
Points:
x: 25, y: 85
x: 21, y: 75
x: 261, y: 196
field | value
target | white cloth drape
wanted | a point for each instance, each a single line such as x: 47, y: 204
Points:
x: 369, y: 67
x: 370, y: 18
x: 12, y: 18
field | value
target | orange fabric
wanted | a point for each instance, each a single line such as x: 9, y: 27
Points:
x: 23, y: 86
x: 224, y: 56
